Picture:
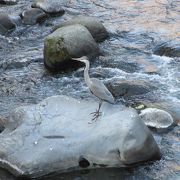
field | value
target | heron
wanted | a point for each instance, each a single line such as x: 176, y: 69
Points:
x: 96, y: 87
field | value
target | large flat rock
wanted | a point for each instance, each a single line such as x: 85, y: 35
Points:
x: 57, y: 135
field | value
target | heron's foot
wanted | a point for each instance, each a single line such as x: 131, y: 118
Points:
x: 96, y: 114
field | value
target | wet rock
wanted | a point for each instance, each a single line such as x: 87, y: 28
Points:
x: 48, y: 137
x: 95, y: 27
x: 2, y: 123
x: 121, y: 88
x: 33, y: 16
x: 156, y: 118
x: 140, y: 107
x: 5, y: 175
x: 9, y: 2
x: 170, y: 49
x: 67, y: 42
x: 6, y: 24
x: 53, y: 7
x: 15, y: 64
x: 84, y: 163
x: 16, y: 19
x: 170, y: 106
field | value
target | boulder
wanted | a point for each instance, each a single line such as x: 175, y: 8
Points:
x: 170, y: 49
x: 6, y: 24
x: 8, y: 2
x: 156, y: 118
x: 126, y: 88
x: 33, y: 16
x: 58, y: 135
x: 67, y: 42
x: 95, y: 27
x: 52, y: 7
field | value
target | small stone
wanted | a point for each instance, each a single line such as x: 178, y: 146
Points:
x: 139, y: 107
x: 169, y: 106
x: 156, y: 118
x: 15, y: 63
x: 170, y: 49
x: 16, y: 19
x: 53, y: 7
x: 127, y: 88
x: 33, y: 16
x: 8, y: 2
x: 6, y: 24
x: 84, y: 163
x: 2, y: 123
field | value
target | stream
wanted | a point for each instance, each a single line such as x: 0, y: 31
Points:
x: 136, y: 27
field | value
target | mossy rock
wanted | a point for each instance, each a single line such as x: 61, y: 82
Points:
x: 67, y: 42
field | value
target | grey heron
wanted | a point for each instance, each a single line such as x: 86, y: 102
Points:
x: 96, y: 87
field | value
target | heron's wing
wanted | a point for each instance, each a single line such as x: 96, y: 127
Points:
x: 98, y: 88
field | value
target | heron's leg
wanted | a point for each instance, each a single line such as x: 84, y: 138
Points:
x: 97, y: 113
x: 97, y: 110
x: 99, y: 107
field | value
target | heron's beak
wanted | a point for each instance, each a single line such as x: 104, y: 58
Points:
x: 82, y: 59
x: 76, y: 59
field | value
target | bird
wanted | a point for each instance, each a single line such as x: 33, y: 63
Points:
x: 96, y: 87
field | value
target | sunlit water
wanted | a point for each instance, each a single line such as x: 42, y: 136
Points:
x: 127, y: 55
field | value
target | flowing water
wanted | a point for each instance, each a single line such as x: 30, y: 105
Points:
x: 135, y: 27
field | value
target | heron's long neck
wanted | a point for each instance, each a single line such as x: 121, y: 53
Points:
x: 86, y: 72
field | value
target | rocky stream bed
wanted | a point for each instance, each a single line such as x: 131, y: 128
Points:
x: 140, y: 60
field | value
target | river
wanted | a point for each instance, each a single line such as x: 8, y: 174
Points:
x: 136, y: 27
